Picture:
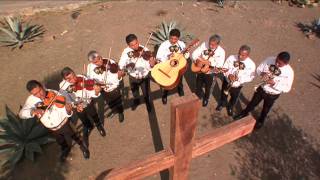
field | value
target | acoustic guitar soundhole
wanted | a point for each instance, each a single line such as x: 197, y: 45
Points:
x: 174, y: 63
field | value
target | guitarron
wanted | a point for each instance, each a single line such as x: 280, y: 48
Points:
x: 167, y: 74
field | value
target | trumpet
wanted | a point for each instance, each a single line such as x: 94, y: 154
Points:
x: 240, y: 66
x: 273, y: 71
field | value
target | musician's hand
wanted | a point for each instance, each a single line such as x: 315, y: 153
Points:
x: 97, y: 89
x: 216, y: 70
x: 37, y: 112
x: 232, y: 77
x: 68, y: 108
x: 199, y: 60
x: 121, y: 74
x: 152, y: 61
x: 263, y: 74
x: 271, y: 82
x: 80, y: 107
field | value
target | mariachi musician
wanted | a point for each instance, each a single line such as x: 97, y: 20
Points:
x: 81, y: 91
x: 53, y: 112
x: 241, y: 69
x: 168, y: 47
x: 277, y: 78
x: 208, y: 51
x: 137, y: 60
x: 106, y: 72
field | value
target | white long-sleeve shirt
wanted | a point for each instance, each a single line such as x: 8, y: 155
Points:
x: 74, y: 97
x: 217, y: 60
x: 283, y: 82
x: 142, y: 67
x: 110, y: 79
x: 244, y: 76
x: 164, y: 52
x: 54, y: 113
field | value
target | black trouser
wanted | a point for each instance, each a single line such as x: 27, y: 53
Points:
x: 144, y: 84
x: 233, y: 91
x: 258, y: 96
x: 64, y: 134
x: 180, y: 89
x: 87, y: 113
x: 207, y: 80
x: 114, y: 100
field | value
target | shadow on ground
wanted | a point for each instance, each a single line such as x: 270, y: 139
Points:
x: 46, y: 166
x: 277, y: 151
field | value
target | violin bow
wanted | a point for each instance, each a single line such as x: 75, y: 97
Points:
x: 83, y: 86
x: 54, y: 98
x: 109, y: 58
x: 143, y: 48
x: 146, y: 44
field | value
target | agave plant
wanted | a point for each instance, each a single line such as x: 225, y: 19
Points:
x: 14, y: 34
x: 21, y: 138
x: 162, y: 33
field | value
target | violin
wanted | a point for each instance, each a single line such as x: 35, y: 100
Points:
x: 112, y: 67
x: 52, y: 98
x: 81, y: 84
x: 140, y: 52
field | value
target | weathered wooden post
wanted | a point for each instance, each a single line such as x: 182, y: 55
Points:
x: 184, y: 113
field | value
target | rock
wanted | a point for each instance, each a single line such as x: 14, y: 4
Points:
x: 64, y: 32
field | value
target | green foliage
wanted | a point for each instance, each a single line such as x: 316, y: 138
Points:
x: 14, y: 34
x: 21, y: 138
x: 162, y: 33
x: 310, y: 29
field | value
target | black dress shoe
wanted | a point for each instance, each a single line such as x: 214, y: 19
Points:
x: 229, y: 111
x: 240, y: 116
x: 121, y: 117
x: 164, y: 100
x: 136, y: 103
x: 101, y: 130
x: 219, y: 107
x: 85, y: 151
x: 258, y: 125
x: 64, y: 154
x: 204, y: 102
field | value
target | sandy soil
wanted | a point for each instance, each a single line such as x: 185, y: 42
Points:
x: 286, y: 148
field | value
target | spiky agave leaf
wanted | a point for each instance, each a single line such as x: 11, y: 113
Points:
x: 21, y: 138
x: 15, y: 34
x: 163, y: 30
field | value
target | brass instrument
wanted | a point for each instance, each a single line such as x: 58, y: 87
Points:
x: 273, y: 71
x: 240, y: 66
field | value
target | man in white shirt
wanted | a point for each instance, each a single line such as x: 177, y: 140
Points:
x: 277, y: 77
x: 241, y: 70
x: 216, y: 60
x: 138, y: 66
x: 63, y: 131
x: 81, y: 95
x: 106, y: 72
x: 163, y: 54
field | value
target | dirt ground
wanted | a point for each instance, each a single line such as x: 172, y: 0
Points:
x: 286, y: 148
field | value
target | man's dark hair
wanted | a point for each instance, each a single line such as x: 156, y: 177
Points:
x: 175, y: 32
x: 216, y: 38
x: 66, y: 71
x: 245, y: 48
x: 284, y: 56
x: 130, y: 38
x: 33, y: 84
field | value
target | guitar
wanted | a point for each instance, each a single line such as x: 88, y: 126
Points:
x: 167, y: 74
x: 203, y: 65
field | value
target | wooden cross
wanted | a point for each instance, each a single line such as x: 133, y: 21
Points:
x: 183, y: 145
